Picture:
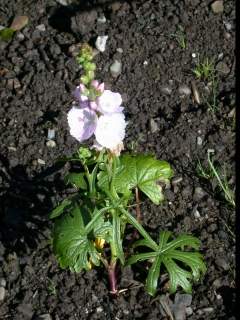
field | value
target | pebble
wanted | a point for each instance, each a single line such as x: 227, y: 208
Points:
x: 196, y: 214
x: 116, y: 68
x: 223, y: 68
x: 198, y: 194
x: 19, y: 23
x: 51, y: 144
x: 189, y: 311
x: 102, y: 19
x: 2, y: 293
x: 208, y: 310
x: 217, y: 6
x: 51, y: 134
x: 99, y: 309
x: 45, y: 316
x: 228, y: 25
x: 40, y: 161
x: 166, y: 90
x: 184, y: 90
x: 101, y: 43
x: 153, y: 126
x: 199, y: 141
x: 62, y: 2
x: 177, y: 180
x: 119, y: 50
x: 41, y: 27
x: 185, y: 299
x: 194, y: 55
x: 3, y: 283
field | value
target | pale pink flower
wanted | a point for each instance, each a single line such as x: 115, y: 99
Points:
x: 82, y: 123
x: 109, y: 102
x: 110, y: 130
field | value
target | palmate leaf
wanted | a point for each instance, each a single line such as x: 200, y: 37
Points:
x: 169, y: 254
x: 142, y: 171
x: 73, y: 237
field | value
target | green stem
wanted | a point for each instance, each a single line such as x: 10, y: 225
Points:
x: 91, y: 223
x: 227, y: 192
x: 138, y: 226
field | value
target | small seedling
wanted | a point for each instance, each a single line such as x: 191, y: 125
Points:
x: 180, y: 37
x: 213, y: 172
x: 51, y: 287
x: 204, y: 70
x: 212, y: 102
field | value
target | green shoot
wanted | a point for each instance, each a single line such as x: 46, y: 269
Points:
x: 180, y: 37
x: 204, y: 70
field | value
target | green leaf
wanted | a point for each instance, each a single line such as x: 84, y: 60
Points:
x: 72, y: 245
x: 142, y: 171
x: 116, y: 237
x: 6, y: 34
x: 60, y: 209
x: 77, y: 180
x: 169, y: 254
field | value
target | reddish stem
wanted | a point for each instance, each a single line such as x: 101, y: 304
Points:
x: 112, y: 278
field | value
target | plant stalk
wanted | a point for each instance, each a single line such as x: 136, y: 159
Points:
x: 112, y: 278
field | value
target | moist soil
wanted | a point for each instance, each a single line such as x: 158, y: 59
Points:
x: 38, y: 74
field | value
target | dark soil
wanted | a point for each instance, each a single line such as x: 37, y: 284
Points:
x: 38, y: 75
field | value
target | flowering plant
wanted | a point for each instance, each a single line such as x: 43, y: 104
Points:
x: 91, y: 225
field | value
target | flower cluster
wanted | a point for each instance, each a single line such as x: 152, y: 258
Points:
x: 102, y: 117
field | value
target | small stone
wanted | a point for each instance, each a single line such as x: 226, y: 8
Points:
x: 223, y: 68
x: 199, y: 141
x: 51, y: 134
x: 208, y: 310
x: 116, y: 68
x: 62, y: 2
x: 101, y: 43
x: 217, y: 6
x: 20, y: 36
x: 13, y: 149
x: 2, y: 293
x: 198, y: 194
x: 119, y: 50
x: 189, y: 311
x: 19, y: 23
x: 99, y: 309
x: 177, y: 180
x: 228, y: 25
x: 217, y: 283
x: 194, y: 55
x: 145, y: 63
x: 166, y: 90
x: 196, y: 214
x: 41, y: 27
x: 51, y: 144
x: 153, y: 126
x: 40, y: 161
x: 184, y: 90
x: 45, y: 316
x: 3, y: 282
x: 102, y: 19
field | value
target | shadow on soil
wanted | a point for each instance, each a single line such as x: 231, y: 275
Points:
x: 25, y: 204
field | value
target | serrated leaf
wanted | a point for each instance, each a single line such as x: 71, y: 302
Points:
x: 116, y: 237
x: 71, y: 243
x: 168, y: 253
x: 61, y: 208
x: 142, y: 171
x: 77, y: 180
